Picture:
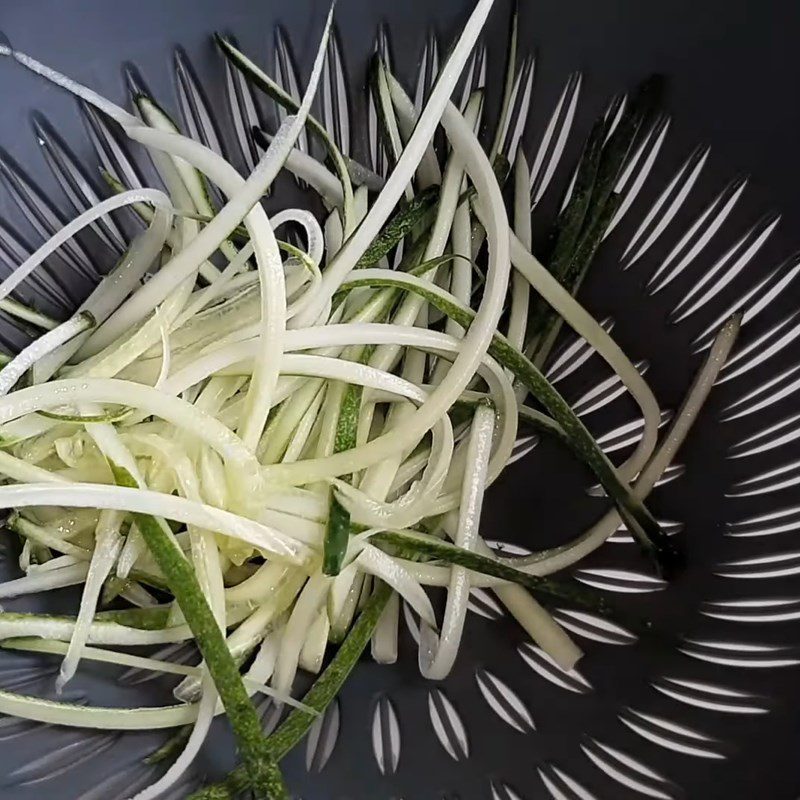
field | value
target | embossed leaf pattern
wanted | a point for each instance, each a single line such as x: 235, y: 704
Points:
x: 620, y: 580
x: 672, y: 735
x: 629, y: 771
x: 386, y: 741
x: 504, y: 702
x: 544, y: 666
x: 711, y: 697
x: 447, y: 725
x: 742, y: 654
x: 664, y: 209
x: 697, y: 237
x: 561, y: 785
x: 502, y: 791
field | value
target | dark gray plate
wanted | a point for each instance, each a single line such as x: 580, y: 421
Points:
x: 716, y: 718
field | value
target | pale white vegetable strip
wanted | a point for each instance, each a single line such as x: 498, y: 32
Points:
x: 52, y: 565
x: 437, y: 575
x: 260, y: 586
x: 438, y: 654
x: 264, y: 663
x: 308, y: 604
x: 303, y: 430
x: 108, y: 543
x: 461, y: 244
x: 205, y: 716
x: 40, y: 347
x: 342, y: 599
x: 313, y: 651
x: 43, y: 580
x: 163, y: 373
x: 20, y: 311
x: 138, y: 596
x: 114, y: 719
x: 48, y: 537
x: 199, y: 300
x: 13, y: 626
x: 131, y: 551
x: 121, y: 498
x: 539, y: 625
x: 391, y: 128
x: 384, y: 639
x: 152, y: 196
x: 101, y: 655
x: 428, y: 171
x: 19, y: 470
x: 26, y: 427
x: 279, y: 430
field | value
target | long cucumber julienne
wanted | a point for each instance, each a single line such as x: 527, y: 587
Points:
x: 325, y: 688
x: 653, y: 540
x: 261, y: 768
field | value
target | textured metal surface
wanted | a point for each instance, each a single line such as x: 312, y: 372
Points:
x: 711, y: 716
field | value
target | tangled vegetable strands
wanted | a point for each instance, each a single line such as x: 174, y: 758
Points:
x: 247, y: 454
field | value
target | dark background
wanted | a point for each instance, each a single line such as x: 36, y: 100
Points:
x: 733, y: 79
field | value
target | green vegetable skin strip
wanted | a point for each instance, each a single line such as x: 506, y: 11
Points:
x: 324, y: 690
x: 580, y: 440
x: 337, y: 533
x: 261, y: 768
x: 399, y: 226
x: 568, y: 228
x: 154, y: 618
